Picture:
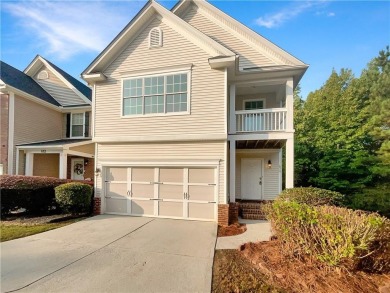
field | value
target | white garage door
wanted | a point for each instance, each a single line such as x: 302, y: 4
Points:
x: 171, y: 192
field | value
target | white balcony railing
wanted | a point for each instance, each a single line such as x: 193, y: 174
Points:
x: 273, y: 119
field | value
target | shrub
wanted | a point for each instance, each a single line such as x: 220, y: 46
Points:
x: 35, y: 194
x: 74, y: 197
x: 332, y: 235
x: 376, y: 199
x: 312, y: 196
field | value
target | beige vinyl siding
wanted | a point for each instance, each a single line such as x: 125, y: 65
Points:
x: 249, y: 57
x: 87, y: 148
x: 4, y: 100
x: 22, y: 163
x: 207, y: 92
x: 46, y: 165
x: 34, y: 123
x: 271, y: 177
x: 58, y: 89
x: 179, y: 153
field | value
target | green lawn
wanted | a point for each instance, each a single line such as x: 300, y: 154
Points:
x: 13, y: 231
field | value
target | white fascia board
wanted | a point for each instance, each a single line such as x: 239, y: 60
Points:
x: 93, y: 77
x: 222, y: 62
x: 75, y: 109
x: 161, y: 138
x: 32, y: 98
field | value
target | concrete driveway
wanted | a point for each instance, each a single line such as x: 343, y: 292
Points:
x: 112, y: 254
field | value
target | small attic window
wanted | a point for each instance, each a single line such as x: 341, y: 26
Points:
x: 43, y: 75
x: 155, y: 37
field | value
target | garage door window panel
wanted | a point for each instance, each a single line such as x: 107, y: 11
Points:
x: 142, y: 175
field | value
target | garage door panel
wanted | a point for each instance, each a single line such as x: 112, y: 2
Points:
x: 117, y: 189
x: 116, y: 206
x: 116, y: 174
x: 201, y: 175
x: 170, y: 209
x: 142, y: 207
x: 142, y: 190
x: 201, y: 210
x: 142, y: 174
x: 199, y: 192
x: 170, y: 175
x: 171, y: 192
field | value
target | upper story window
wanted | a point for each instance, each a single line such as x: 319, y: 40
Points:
x: 155, y: 37
x: 162, y: 94
x: 77, y: 125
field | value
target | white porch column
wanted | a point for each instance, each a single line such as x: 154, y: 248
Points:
x: 11, y: 124
x: 232, y: 109
x: 290, y: 104
x: 290, y: 163
x: 63, y: 156
x: 29, y: 164
x: 232, y: 180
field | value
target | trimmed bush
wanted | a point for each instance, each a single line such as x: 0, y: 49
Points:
x: 74, y: 197
x: 33, y: 193
x: 332, y: 235
x: 312, y: 196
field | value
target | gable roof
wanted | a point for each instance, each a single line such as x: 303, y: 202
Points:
x: 83, y: 92
x: 21, y: 81
x: 134, y: 26
x: 82, y: 88
x: 252, y: 38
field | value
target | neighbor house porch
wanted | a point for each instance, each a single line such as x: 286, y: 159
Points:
x: 65, y: 159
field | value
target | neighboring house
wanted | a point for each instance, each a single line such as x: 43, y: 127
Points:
x: 45, y: 122
x: 191, y: 111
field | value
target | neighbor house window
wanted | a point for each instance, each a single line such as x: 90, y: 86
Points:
x: 77, y: 125
x: 155, y: 94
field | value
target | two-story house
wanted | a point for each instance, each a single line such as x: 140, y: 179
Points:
x: 191, y: 111
x: 45, y: 122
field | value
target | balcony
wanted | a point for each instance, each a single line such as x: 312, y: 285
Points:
x: 273, y: 119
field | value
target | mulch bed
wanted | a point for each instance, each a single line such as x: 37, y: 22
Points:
x: 23, y: 219
x: 231, y: 230
x: 232, y: 272
x: 295, y: 275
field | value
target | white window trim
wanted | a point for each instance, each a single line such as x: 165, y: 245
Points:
x: 160, y: 37
x: 188, y: 112
x: 71, y: 124
x: 253, y: 100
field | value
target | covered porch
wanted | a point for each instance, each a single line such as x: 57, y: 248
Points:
x: 65, y: 159
x: 255, y: 167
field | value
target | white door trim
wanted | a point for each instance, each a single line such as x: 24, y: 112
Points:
x: 262, y: 177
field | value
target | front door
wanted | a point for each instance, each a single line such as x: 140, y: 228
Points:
x: 251, y: 179
x: 77, y: 169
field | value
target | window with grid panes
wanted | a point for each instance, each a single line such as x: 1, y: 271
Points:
x: 155, y: 94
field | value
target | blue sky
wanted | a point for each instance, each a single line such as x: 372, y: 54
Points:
x: 325, y: 34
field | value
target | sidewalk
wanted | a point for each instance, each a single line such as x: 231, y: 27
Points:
x: 257, y: 230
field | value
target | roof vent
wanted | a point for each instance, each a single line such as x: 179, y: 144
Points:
x: 43, y: 75
x: 155, y: 37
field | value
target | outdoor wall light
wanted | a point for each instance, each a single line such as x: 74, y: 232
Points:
x: 86, y: 162
x: 98, y: 171
x: 269, y: 164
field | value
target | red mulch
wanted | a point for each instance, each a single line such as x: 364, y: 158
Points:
x: 295, y: 275
x: 231, y: 230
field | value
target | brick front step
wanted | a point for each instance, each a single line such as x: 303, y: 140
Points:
x: 253, y: 217
x: 250, y: 205
x: 251, y: 211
